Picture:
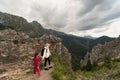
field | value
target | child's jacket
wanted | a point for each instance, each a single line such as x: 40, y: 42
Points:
x: 36, y: 61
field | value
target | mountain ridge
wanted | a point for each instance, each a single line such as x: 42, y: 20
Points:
x: 78, y: 46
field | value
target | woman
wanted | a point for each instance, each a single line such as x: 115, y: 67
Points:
x: 46, y: 57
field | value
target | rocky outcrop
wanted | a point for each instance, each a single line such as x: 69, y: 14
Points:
x: 100, y: 52
x: 17, y: 51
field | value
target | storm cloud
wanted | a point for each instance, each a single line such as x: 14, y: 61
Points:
x: 80, y: 17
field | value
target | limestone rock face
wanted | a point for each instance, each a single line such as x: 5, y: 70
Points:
x: 100, y: 52
x: 17, y: 51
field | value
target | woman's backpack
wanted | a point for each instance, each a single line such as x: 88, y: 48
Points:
x: 42, y: 51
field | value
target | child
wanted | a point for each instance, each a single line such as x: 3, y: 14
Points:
x: 36, y: 60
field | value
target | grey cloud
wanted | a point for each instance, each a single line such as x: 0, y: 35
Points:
x: 93, y: 20
x: 50, y: 15
x: 89, y: 5
x: 106, y: 5
x: 113, y: 15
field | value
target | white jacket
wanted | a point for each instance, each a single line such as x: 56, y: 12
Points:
x: 46, y: 53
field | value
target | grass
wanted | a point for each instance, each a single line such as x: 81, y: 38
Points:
x: 62, y: 70
x: 102, y: 72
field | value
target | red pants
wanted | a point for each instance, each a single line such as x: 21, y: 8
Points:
x: 37, y: 69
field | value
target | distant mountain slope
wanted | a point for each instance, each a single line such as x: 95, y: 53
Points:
x: 34, y: 29
x: 100, y: 40
x: 89, y: 37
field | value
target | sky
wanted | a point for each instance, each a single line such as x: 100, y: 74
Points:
x: 78, y: 17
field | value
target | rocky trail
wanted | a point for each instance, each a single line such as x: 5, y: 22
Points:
x: 45, y: 75
x: 19, y: 74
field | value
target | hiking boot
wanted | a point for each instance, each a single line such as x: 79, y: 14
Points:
x: 46, y: 69
x: 50, y: 67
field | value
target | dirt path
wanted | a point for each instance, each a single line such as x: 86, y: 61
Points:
x: 45, y: 75
x: 18, y: 74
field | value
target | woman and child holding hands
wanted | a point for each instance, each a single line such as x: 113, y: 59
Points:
x: 45, y: 55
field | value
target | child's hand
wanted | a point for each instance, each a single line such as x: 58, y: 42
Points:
x: 42, y: 58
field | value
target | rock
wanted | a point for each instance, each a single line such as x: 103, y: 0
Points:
x: 3, y: 75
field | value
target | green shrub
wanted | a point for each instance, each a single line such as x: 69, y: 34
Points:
x: 62, y: 70
x: 108, y: 62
